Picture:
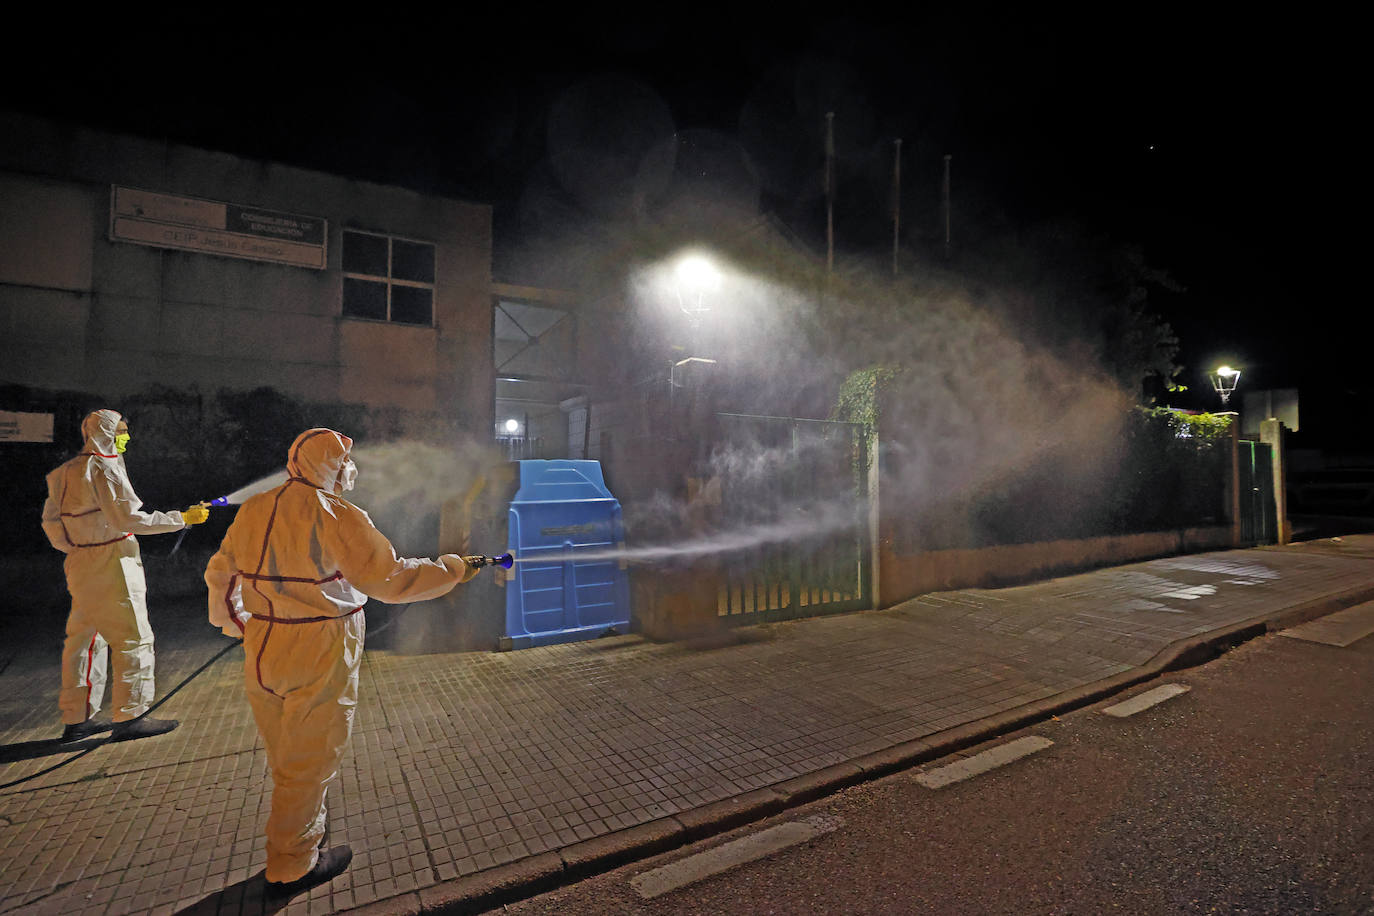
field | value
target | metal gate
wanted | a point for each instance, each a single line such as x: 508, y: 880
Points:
x: 798, y: 502
x: 1257, y: 510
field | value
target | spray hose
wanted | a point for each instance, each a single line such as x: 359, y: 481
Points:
x: 209, y: 504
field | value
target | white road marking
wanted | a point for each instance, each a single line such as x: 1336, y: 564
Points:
x: 981, y: 763
x: 1338, y: 629
x: 1145, y: 700
x: 750, y: 848
x: 1190, y: 593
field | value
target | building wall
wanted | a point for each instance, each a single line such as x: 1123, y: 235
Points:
x: 79, y: 311
x: 902, y: 576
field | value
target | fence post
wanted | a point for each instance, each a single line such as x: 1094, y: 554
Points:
x: 1233, y: 484
x: 1271, y: 432
x: 875, y: 527
x: 880, y: 533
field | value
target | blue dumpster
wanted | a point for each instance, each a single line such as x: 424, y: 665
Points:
x: 568, y: 582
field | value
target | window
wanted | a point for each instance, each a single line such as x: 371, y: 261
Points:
x: 387, y: 279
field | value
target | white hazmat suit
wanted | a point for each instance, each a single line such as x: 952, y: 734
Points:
x: 92, y: 515
x: 291, y: 577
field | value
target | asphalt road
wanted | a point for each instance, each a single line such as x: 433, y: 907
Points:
x: 1249, y: 793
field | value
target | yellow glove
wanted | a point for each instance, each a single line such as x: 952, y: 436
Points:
x: 460, y: 565
x: 195, y: 515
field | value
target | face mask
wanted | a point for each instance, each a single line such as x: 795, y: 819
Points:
x: 121, y: 442
x: 348, y: 476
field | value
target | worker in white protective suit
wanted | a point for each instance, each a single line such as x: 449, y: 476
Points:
x: 291, y: 578
x: 93, y: 516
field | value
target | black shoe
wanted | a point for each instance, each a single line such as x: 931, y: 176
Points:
x: 142, y: 727
x: 79, y: 731
x: 328, y: 866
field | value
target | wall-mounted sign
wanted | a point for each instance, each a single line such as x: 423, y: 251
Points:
x: 25, y: 427
x: 211, y: 227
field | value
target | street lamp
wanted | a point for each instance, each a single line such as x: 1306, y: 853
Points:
x: 672, y: 370
x: 696, y: 277
x: 1224, y: 380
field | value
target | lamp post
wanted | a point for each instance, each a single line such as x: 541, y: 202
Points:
x: 1224, y: 380
x: 515, y: 445
x: 695, y: 281
x: 695, y: 277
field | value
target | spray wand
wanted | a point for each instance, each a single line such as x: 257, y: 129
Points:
x: 207, y: 504
x: 505, y: 561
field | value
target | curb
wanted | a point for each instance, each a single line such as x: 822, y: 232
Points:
x: 493, y: 887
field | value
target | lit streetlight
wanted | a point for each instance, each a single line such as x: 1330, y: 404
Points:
x: 1224, y: 380
x: 696, y: 278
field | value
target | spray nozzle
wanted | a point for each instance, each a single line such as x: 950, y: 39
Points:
x: 505, y: 561
x: 218, y: 501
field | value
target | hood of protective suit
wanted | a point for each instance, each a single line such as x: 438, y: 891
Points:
x: 98, y: 429
x: 318, y: 457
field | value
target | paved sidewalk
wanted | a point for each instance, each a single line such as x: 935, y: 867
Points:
x: 477, y: 776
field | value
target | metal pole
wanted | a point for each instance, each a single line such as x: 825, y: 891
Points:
x: 829, y: 191
x: 896, y: 199
x: 945, y: 194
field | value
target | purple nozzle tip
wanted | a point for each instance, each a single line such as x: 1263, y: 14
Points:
x: 220, y: 501
x: 505, y: 560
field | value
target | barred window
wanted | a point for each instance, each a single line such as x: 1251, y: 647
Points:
x: 387, y: 278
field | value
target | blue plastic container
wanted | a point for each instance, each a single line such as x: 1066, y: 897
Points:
x: 565, y: 531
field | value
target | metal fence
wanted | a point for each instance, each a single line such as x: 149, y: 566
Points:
x: 517, y: 448
x: 794, y: 495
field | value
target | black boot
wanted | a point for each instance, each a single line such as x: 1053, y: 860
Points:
x: 142, y: 727
x: 328, y: 866
x: 79, y: 731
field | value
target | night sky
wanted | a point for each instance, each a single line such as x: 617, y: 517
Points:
x: 1219, y: 145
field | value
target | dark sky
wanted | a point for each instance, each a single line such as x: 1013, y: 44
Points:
x: 1218, y: 144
